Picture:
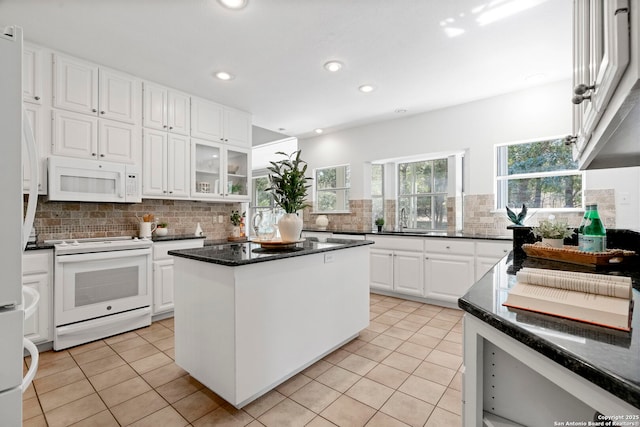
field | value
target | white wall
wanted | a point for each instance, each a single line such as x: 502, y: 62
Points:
x: 545, y: 111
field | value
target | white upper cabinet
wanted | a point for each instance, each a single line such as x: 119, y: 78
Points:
x: 39, y: 125
x: 86, y: 88
x: 215, y: 122
x: 32, y: 74
x: 207, y: 120
x: 220, y: 171
x: 165, y: 165
x: 606, y: 72
x: 78, y: 135
x: 165, y: 109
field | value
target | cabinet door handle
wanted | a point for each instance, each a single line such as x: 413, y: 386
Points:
x: 170, y: 127
x: 94, y: 110
x: 448, y: 247
x: 93, y: 154
x: 164, y: 191
x: 37, y: 98
x: 577, y: 99
x: 101, y: 155
x: 581, y: 89
x: 170, y: 192
x: 164, y: 127
x: 101, y: 112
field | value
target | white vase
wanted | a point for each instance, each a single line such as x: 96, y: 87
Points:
x: 321, y: 222
x: 554, y: 243
x: 290, y: 226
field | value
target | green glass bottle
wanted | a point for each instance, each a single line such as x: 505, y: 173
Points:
x: 592, y: 236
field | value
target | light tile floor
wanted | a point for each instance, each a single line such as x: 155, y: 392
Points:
x: 403, y: 370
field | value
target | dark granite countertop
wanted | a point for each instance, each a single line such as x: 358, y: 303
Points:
x: 171, y: 237
x: 38, y: 246
x: 455, y: 235
x: 606, y: 357
x: 237, y: 254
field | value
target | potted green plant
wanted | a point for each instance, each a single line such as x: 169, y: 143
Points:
x: 288, y: 185
x: 162, y: 229
x: 236, y: 220
x: 379, y: 223
x: 552, y: 233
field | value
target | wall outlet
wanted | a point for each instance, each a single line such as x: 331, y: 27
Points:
x: 328, y: 257
x: 220, y: 219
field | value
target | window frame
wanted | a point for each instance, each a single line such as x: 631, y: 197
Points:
x: 501, y: 191
x: 316, y: 207
x: 374, y: 215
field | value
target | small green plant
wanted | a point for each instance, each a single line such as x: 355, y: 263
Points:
x: 163, y: 224
x: 236, y: 218
x: 550, y: 229
x: 288, y: 183
x: 236, y: 188
x: 379, y: 221
x: 517, y: 219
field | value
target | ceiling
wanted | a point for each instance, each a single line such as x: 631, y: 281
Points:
x: 276, y: 50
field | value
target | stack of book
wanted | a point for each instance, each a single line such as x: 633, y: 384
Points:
x: 585, y: 297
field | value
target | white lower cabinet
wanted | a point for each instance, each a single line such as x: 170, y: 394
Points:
x: 438, y: 270
x: 163, y: 281
x: 396, y: 265
x: 488, y: 254
x: 448, y: 277
x: 37, y: 268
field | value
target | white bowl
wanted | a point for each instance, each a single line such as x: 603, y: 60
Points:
x: 162, y: 231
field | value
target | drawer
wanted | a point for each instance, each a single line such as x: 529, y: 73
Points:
x: 160, y: 249
x: 493, y: 249
x: 36, y: 261
x: 400, y: 243
x: 450, y: 246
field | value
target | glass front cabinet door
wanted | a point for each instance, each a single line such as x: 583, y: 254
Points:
x: 219, y: 172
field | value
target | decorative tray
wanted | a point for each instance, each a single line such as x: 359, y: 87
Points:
x: 572, y: 255
x: 276, y: 244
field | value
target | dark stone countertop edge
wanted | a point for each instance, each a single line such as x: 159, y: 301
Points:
x: 275, y: 256
x: 456, y: 235
x: 172, y: 237
x: 614, y: 384
x: 38, y: 246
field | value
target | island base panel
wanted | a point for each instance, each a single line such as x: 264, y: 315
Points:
x: 243, y: 330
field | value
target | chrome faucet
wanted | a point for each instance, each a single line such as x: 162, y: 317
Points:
x: 403, y: 219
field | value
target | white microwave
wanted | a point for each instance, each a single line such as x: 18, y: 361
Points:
x: 80, y: 180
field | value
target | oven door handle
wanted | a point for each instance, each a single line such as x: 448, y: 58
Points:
x: 94, y: 256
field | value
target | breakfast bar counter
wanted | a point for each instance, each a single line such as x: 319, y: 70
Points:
x: 248, y: 318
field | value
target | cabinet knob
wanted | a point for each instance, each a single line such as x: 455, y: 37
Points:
x: 170, y: 127
x: 101, y: 155
x: 570, y: 139
x: 577, y: 99
x: 94, y: 110
x: 101, y: 112
x: 93, y: 154
x: 448, y: 247
x: 581, y: 89
x: 164, y: 191
x: 164, y: 127
x: 37, y: 98
x: 170, y: 192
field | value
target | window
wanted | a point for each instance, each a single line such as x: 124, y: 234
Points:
x: 422, y: 194
x: 262, y: 198
x: 377, y: 192
x: 540, y: 174
x: 332, y: 189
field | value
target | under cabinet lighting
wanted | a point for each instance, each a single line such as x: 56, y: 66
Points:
x: 366, y: 88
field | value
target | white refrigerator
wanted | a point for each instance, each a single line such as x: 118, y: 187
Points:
x: 14, y: 132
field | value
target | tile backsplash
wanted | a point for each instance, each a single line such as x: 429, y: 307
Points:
x: 74, y: 220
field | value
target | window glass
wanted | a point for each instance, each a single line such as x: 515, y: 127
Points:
x: 332, y: 189
x: 539, y: 174
x: 377, y: 192
x: 422, y: 194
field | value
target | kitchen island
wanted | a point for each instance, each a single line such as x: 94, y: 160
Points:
x: 249, y: 318
x: 535, y: 369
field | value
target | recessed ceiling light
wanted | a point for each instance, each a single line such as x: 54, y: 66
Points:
x: 400, y: 110
x: 366, y: 88
x: 223, y: 75
x: 333, y: 66
x: 319, y: 131
x: 234, y: 4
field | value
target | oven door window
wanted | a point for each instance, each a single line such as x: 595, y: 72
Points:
x: 105, y: 285
x: 88, y: 286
